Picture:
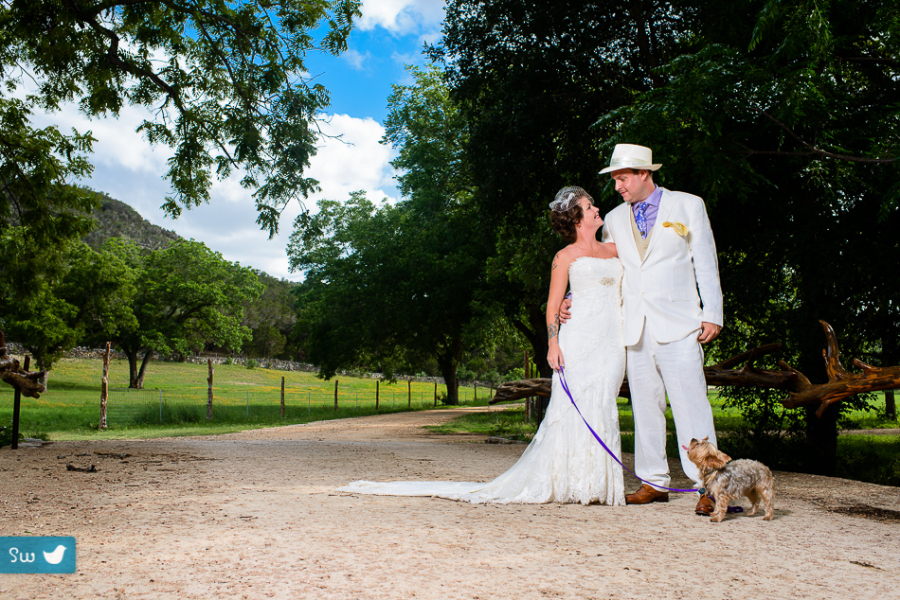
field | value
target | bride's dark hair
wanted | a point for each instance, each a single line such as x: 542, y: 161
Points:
x: 566, y: 212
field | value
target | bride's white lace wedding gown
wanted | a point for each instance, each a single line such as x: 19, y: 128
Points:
x: 563, y: 463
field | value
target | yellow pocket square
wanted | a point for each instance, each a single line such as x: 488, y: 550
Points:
x: 680, y: 228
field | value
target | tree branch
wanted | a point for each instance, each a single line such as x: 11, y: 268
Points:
x: 812, y: 149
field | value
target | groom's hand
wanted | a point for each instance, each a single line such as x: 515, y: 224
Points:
x: 708, y: 332
x: 564, y: 314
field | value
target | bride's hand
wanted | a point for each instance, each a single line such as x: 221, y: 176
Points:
x: 555, y: 357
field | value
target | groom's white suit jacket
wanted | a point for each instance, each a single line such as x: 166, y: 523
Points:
x: 675, y: 286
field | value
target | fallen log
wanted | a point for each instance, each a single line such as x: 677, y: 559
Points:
x: 12, y: 373
x: 841, y: 382
x: 801, y: 392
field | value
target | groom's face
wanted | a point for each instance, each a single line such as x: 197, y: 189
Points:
x: 634, y: 186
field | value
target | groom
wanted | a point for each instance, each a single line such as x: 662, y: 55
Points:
x: 671, y: 301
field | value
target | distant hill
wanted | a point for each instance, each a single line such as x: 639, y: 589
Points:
x: 117, y: 219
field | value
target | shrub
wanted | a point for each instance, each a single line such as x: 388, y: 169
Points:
x: 252, y: 363
x: 6, y: 437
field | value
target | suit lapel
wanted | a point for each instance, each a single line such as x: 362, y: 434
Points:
x: 662, y: 215
x: 624, y: 225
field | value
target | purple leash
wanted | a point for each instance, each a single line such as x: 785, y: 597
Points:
x: 565, y: 387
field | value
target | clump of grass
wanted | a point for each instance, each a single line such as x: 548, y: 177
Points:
x: 6, y: 434
x: 872, y: 458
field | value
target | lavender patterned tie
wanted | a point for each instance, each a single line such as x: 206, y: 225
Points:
x: 641, y: 219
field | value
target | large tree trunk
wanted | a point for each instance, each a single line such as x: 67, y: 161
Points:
x: 132, y: 366
x: 135, y: 373
x: 890, y: 355
x: 821, y: 432
x: 139, y: 383
x: 45, y: 366
x: 822, y: 438
x: 448, y: 362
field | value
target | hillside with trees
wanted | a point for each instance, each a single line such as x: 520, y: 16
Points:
x: 113, y: 218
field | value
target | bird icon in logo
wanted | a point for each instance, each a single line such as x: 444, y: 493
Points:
x: 55, y: 557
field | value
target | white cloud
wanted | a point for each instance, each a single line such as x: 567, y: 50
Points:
x: 129, y: 169
x: 402, y: 16
x: 357, y: 59
x: 355, y: 162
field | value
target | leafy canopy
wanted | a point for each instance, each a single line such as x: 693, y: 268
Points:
x: 225, y: 82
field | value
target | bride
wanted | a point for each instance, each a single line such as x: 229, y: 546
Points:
x: 563, y: 463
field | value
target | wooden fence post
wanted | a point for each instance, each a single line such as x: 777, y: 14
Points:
x: 335, y: 394
x: 282, y: 397
x: 409, y: 393
x: 377, y: 383
x: 474, y: 391
x: 435, y: 392
x: 209, y: 397
x: 104, y: 388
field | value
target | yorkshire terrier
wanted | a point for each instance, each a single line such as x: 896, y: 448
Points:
x: 726, y: 480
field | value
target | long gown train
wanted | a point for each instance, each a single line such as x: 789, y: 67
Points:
x: 563, y: 463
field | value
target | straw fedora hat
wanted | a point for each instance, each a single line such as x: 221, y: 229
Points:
x: 629, y: 156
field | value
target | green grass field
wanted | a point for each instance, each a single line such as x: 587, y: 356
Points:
x: 174, y: 404
x: 174, y: 400
x: 872, y: 458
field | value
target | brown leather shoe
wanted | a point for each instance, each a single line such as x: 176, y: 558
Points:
x: 647, y: 494
x: 705, y: 506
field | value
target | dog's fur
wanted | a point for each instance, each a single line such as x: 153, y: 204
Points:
x: 726, y: 480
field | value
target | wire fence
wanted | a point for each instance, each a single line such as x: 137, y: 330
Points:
x: 127, y: 407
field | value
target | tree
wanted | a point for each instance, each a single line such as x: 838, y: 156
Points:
x: 386, y: 287
x: 400, y: 283
x: 186, y: 296
x: 87, y: 297
x: 226, y: 83
x: 40, y: 212
x: 782, y: 114
x: 531, y: 79
x: 787, y: 122
x: 271, y: 318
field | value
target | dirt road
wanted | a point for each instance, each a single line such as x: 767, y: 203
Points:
x: 257, y: 515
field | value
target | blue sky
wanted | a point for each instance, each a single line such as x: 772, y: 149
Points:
x: 390, y: 35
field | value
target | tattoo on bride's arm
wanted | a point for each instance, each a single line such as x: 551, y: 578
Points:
x: 553, y: 329
x: 555, y: 264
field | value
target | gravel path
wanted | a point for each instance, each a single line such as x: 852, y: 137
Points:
x: 257, y: 515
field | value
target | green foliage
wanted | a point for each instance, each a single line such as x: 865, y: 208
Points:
x: 35, y: 167
x: 869, y: 458
x: 226, y: 83
x: 397, y: 286
x: 115, y: 219
x: 185, y: 296
x: 251, y: 363
x: 271, y: 317
x: 787, y: 123
x: 6, y: 437
x: 782, y: 115
x: 87, y: 295
x: 531, y: 79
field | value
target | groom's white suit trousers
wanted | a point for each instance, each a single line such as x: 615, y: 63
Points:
x: 654, y: 371
x: 671, y: 285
